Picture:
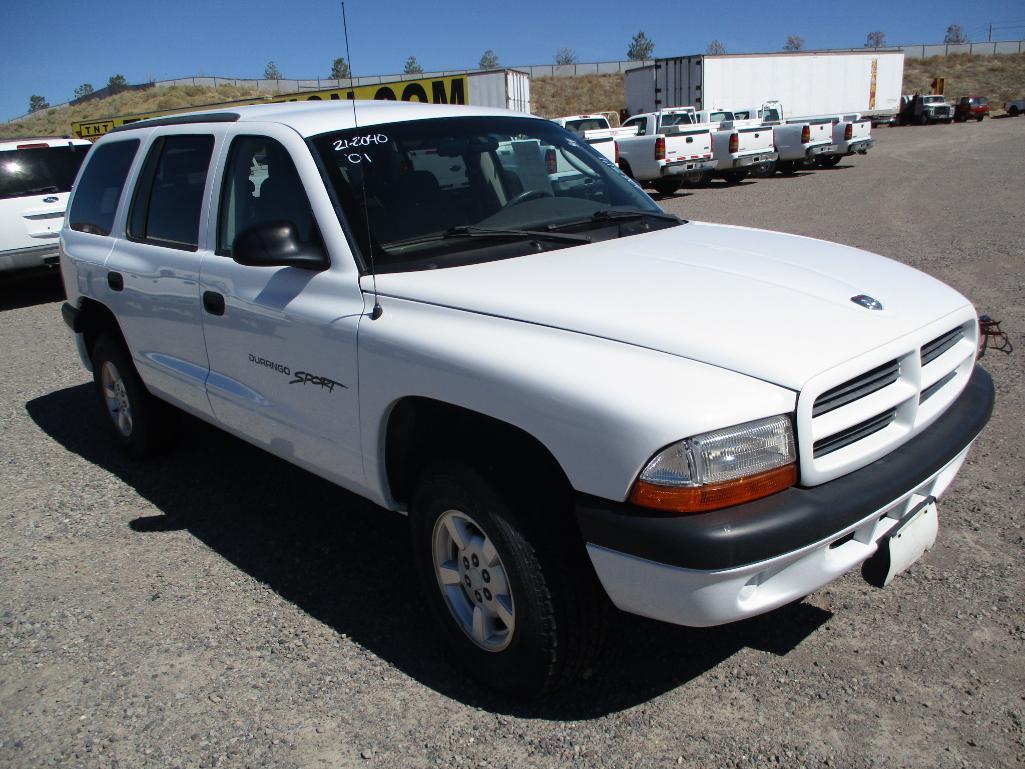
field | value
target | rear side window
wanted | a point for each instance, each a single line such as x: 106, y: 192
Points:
x: 99, y: 189
x: 168, y: 197
x: 38, y: 170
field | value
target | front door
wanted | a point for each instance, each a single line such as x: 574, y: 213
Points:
x: 281, y: 341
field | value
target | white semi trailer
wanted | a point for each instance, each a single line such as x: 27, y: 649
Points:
x: 813, y: 83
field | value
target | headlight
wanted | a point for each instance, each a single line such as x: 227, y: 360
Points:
x: 720, y: 468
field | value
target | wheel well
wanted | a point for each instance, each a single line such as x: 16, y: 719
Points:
x: 422, y: 429
x: 624, y: 166
x: 95, y: 319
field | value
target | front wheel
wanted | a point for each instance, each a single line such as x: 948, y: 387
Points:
x: 667, y: 185
x: 516, y: 600
x: 134, y: 414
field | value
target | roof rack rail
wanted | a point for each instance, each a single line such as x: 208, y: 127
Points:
x: 202, y: 117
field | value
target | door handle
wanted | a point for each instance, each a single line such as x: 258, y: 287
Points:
x: 116, y: 281
x: 213, y: 302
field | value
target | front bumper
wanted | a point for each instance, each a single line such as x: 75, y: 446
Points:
x: 687, y: 167
x: 726, y: 565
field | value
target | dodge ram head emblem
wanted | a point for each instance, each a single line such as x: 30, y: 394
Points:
x: 867, y: 302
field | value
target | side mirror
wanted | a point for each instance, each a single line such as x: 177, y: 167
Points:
x: 277, y: 244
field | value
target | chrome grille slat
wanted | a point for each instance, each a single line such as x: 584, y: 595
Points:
x: 846, y: 437
x: 940, y: 345
x: 856, y: 388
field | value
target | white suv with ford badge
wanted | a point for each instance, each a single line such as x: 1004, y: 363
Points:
x: 578, y: 399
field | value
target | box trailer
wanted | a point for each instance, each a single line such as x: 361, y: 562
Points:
x: 808, y: 83
x: 505, y: 88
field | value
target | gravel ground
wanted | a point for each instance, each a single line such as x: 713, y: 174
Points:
x: 221, y: 608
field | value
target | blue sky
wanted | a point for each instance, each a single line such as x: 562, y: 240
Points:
x: 49, y: 48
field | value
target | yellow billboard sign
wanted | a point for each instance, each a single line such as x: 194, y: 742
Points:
x: 439, y: 90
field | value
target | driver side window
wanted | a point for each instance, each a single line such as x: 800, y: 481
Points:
x: 261, y: 185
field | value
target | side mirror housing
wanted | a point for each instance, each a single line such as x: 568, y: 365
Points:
x: 277, y: 244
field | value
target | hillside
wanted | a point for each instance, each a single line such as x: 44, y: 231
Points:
x: 57, y: 121
x: 998, y: 77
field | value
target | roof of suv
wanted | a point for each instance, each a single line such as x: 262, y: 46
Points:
x: 315, y: 117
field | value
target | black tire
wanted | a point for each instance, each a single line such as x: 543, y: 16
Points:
x: 787, y: 167
x: 1013, y: 111
x: 559, y: 610
x: 978, y: 118
x: 735, y: 177
x: 949, y: 120
x: 764, y: 171
x: 139, y: 434
x: 667, y: 185
x: 625, y: 168
x: 827, y: 161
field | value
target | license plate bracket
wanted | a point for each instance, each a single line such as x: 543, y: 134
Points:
x: 904, y: 544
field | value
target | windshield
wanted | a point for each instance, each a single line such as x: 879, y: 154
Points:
x: 39, y: 170
x: 434, y: 193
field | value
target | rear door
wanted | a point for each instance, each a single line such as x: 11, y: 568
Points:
x: 282, y: 340
x: 152, y: 273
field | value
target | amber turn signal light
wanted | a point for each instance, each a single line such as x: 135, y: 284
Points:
x: 701, y: 499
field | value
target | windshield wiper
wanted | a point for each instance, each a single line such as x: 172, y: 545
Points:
x: 611, y: 215
x: 471, y: 231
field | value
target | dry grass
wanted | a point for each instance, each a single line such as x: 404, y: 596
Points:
x: 555, y: 96
x: 999, y: 78
x: 57, y: 121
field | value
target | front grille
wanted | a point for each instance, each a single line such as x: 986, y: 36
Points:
x: 934, y: 388
x: 846, y: 437
x: 940, y: 345
x: 857, y: 388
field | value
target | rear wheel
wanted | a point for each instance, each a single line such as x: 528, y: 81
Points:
x: 625, y: 168
x: 134, y: 414
x: 667, y: 185
x: 702, y: 179
x: 786, y: 167
x: 514, y: 597
x: 735, y: 177
x: 827, y: 161
x: 764, y: 171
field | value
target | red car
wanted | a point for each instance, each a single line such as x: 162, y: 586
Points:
x: 969, y: 107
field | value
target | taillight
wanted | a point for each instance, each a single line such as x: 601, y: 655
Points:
x: 734, y: 143
x: 806, y: 134
x: 660, y: 148
x: 550, y: 165
x: 848, y: 132
x: 616, y: 145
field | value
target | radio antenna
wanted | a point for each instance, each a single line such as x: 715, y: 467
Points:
x: 377, y: 312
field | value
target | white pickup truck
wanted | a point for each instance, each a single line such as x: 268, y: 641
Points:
x: 852, y: 135
x: 667, y: 148
x: 579, y: 400
x: 799, y: 141
x: 742, y: 145
x: 596, y: 131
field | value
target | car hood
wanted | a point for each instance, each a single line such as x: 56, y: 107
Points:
x: 773, y: 306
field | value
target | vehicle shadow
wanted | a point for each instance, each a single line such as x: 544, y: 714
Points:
x: 335, y: 555
x: 29, y: 290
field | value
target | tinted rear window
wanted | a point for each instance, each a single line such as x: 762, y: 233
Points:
x: 40, y: 170
x: 99, y: 190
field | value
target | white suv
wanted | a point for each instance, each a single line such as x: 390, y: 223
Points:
x: 577, y: 398
x: 35, y: 178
